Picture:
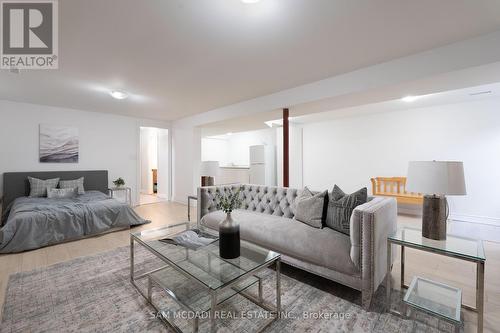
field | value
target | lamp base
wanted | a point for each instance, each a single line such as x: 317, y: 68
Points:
x: 434, y: 217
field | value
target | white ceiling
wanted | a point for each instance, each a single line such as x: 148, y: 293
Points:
x: 465, y: 95
x: 182, y: 57
x: 256, y: 122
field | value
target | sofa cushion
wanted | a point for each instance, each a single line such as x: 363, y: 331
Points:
x: 324, y: 247
x: 340, y: 207
x: 309, y: 208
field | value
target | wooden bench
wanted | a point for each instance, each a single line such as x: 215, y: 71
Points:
x: 395, y: 187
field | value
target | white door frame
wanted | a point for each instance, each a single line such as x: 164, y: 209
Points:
x: 139, y: 155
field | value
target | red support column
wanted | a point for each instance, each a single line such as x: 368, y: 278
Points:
x: 286, y: 149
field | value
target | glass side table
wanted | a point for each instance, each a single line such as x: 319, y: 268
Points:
x: 454, y: 246
x: 436, y: 299
x: 127, y: 190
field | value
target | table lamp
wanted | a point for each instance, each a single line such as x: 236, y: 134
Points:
x: 436, y: 180
x: 208, y: 171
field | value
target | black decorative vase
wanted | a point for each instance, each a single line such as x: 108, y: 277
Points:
x: 229, y: 238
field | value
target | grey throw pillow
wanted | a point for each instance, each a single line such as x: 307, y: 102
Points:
x: 309, y: 208
x: 38, y: 187
x: 62, y: 193
x: 72, y: 184
x: 341, y: 206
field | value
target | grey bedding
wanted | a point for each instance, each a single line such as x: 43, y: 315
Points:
x: 38, y: 222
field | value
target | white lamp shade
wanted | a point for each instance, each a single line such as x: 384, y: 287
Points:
x: 436, y: 177
x: 209, y: 168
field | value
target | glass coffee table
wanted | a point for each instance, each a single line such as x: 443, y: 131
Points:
x: 200, y: 280
x: 454, y: 246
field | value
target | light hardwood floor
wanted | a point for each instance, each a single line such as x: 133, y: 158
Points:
x: 447, y: 270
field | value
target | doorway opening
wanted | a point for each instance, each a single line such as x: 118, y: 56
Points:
x: 154, y: 165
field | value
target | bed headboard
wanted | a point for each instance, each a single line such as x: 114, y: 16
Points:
x: 15, y: 184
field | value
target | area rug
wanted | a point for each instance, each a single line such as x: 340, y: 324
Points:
x: 94, y: 294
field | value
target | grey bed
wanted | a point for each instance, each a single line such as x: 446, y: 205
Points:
x: 30, y: 223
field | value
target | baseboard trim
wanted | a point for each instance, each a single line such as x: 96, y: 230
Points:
x: 182, y: 202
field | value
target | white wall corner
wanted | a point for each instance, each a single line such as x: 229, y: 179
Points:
x: 487, y: 229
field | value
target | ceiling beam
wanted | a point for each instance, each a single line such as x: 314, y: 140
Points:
x: 461, y: 55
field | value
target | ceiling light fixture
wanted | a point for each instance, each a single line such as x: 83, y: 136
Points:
x: 118, y: 94
x: 480, y: 93
x: 249, y: 1
x: 410, y: 99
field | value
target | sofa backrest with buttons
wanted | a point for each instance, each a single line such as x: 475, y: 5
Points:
x: 278, y: 201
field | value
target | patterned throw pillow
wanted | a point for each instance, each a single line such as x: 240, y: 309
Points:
x: 340, y: 207
x: 62, y: 193
x: 38, y: 187
x: 72, y: 184
x: 309, y: 208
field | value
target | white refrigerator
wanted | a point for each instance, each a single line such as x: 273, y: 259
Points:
x: 263, y: 165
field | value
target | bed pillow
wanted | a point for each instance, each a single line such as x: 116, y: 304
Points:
x: 62, y: 193
x: 72, y: 184
x: 340, y: 207
x: 309, y: 208
x: 38, y: 187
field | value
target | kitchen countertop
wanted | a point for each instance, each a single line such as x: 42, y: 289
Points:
x: 235, y: 167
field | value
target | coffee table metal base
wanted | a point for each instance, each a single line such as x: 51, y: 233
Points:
x: 258, y: 300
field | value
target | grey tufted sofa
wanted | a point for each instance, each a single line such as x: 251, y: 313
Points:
x: 266, y: 218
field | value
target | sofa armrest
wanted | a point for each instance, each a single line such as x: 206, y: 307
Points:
x: 371, y: 224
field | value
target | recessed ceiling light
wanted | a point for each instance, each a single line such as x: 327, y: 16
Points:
x: 409, y: 99
x: 118, y: 94
x: 250, y: 1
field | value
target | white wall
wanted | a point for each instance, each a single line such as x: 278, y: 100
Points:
x: 295, y: 163
x: 107, y: 141
x: 349, y: 151
x: 234, y: 149
x: 187, y: 155
x: 186, y: 159
x: 239, y: 144
x: 215, y: 149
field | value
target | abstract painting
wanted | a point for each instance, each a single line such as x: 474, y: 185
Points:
x: 58, y: 144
